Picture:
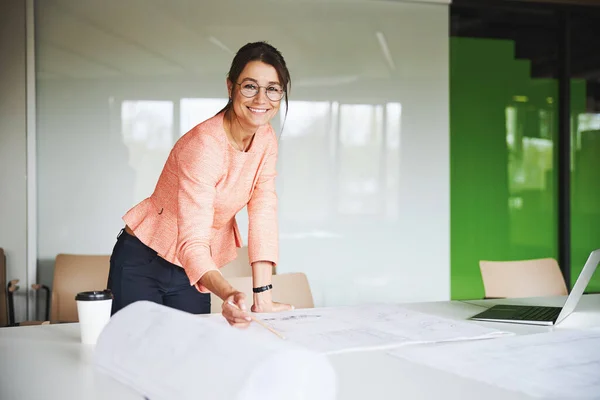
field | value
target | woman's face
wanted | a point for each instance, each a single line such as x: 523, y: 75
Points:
x: 253, y: 112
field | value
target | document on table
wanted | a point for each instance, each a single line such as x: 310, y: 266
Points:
x: 342, y: 329
x: 165, y: 353
x: 561, y: 364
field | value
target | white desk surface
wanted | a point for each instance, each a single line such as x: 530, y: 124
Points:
x: 48, y: 362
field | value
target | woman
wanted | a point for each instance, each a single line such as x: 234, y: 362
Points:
x: 175, y: 241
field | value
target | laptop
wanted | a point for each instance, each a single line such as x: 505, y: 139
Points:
x: 540, y: 315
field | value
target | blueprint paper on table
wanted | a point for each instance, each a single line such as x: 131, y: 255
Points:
x: 357, y: 328
x: 561, y: 364
x: 164, y: 353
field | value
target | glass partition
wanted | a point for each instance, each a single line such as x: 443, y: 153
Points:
x: 363, y: 166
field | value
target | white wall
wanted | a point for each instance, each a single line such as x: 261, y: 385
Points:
x: 13, y: 145
x: 364, y: 181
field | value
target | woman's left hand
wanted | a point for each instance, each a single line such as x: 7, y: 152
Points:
x: 263, y: 303
x: 272, y: 306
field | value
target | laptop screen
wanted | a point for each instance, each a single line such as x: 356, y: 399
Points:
x: 580, y: 285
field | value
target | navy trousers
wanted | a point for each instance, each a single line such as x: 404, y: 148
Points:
x: 138, y: 273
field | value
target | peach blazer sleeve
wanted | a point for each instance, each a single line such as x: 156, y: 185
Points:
x: 263, y: 236
x: 200, y: 166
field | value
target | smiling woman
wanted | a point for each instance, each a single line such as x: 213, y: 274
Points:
x: 175, y: 241
x: 250, y: 107
x: 256, y: 66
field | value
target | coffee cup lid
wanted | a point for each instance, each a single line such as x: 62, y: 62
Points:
x: 94, y: 295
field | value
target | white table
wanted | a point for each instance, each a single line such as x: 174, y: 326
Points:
x: 48, y: 362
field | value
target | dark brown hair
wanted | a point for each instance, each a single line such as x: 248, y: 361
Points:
x: 264, y: 52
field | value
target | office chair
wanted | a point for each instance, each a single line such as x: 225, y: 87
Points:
x: 522, y: 278
x: 73, y: 273
x: 291, y: 288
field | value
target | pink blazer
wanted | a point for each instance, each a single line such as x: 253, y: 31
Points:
x: 189, y: 220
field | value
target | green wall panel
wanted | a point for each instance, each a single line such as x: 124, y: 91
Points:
x: 585, y: 185
x: 503, y: 132
x: 503, y: 137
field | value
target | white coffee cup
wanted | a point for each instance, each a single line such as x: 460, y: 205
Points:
x: 93, y: 309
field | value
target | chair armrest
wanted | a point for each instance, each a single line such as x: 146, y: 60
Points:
x: 36, y: 287
x: 11, y: 288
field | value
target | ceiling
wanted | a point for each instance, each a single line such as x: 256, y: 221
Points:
x: 90, y: 39
x: 167, y: 39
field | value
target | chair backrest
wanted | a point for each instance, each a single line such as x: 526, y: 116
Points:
x: 291, y: 288
x: 3, y: 283
x: 524, y: 278
x: 238, y: 267
x: 75, y: 273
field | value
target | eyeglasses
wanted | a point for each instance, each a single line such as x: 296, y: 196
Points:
x: 250, y: 89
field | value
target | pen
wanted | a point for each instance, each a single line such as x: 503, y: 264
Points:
x: 261, y: 323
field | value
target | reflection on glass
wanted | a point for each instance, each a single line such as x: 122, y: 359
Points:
x: 306, y: 131
x: 585, y: 195
x: 392, y: 160
x: 361, y: 135
x: 367, y: 133
x: 586, y: 174
x: 529, y: 133
x: 364, y: 187
x: 586, y: 122
x: 195, y: 111
x: 147, y: 130
x: 304, y: 118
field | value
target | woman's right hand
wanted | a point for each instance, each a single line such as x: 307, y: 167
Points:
x: 234, y: 310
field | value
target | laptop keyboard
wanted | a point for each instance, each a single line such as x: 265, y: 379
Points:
x: 538, y: 313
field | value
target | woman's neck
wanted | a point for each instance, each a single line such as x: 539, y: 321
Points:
x: 239, y: 134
